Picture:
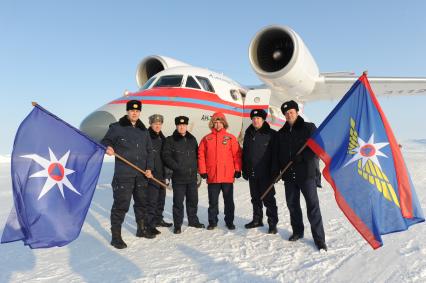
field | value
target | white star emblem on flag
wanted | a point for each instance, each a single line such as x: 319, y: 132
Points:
x: 55, y: 172
x: 368, y: 151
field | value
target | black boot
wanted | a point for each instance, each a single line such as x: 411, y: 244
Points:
x: 177, y: 230
x: 148, y: 233
x: 295, y: 237
x: 141, y: 227
x: 272, y: 229
x: 155, y: 231
x: 116, y: 241
x: 197, y: 225
x: 211, y: 226
x: 144, y: 231
x: 163, y: 223
x: 321, y: 246
x: 230, y: 226
x: 253, y: 224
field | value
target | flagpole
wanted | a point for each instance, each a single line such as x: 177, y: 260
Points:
x: 140, y: 170
x: 128, y: 163
x: 282, y: 172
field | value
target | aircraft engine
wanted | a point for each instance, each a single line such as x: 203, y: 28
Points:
x: 281, y: 60
x: 151, y: 65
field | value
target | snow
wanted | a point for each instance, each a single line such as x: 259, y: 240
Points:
x: 221, y: 255
x: 4, y: 158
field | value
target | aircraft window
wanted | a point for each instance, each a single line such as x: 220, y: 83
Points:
x: 190, y: 82
x: 169, y: 81
x: 148, y: 83
x: 205, y: 83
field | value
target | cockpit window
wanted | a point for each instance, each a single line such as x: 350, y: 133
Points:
x: 148, y: 83
x: 190, y: 82
x: 205, y: 83
x: 169, y: 81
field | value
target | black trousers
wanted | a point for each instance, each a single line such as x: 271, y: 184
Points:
x: 152, y: 192
x: 180, y: 192
x: 123, y: 190
x: 257, y: 188
x: 228, y: 199
x: 309, y: 191
x: 161, y: 200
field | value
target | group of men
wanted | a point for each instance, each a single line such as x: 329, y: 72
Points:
x: 219, y: 159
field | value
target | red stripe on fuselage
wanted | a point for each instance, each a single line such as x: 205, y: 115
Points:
x: 192, y: 105
x: 184, y: 92
x: 193, y: 94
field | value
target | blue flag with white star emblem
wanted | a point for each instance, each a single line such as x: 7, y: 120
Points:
x: 365, y: 167
x: 55, y: 169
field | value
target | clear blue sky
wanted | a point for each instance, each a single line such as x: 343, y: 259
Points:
x: 74, y: 56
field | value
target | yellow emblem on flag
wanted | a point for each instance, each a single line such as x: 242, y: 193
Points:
x: 368, y: 169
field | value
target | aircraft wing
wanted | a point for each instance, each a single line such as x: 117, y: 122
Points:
x: 332, y: 87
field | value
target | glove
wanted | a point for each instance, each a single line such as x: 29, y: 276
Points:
x: 204, y: 175
x: 237, y: 174
x: 245, y: 177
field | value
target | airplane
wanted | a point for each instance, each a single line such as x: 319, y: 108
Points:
x: 278, y: 56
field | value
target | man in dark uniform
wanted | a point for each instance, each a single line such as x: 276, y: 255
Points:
x: 257, y: 161
x: 130, y: 139
x: 180, y: 155
x: 302, y: 174
x: 155, y: 193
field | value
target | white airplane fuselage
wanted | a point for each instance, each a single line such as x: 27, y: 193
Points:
x: 185, y: 93
x: 280, y: 59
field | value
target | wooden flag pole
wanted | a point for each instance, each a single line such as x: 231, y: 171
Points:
x: 282, y: 172
x: 140, y: 170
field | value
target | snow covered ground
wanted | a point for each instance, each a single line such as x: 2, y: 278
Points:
x: 4, y: 158
x: 220, y: 255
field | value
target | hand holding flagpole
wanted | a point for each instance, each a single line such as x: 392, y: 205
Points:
x: 110, y: 151
x: 282, y: 172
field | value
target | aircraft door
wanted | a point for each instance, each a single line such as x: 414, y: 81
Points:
x: 254, y: 99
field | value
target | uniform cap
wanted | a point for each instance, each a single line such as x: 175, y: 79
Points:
x: 258, y: 113
x: 181, y: 120
x: 156, y: 118
x: 289, y: 105
x: 133, y: 105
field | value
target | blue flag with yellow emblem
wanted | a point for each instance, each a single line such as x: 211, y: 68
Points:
x: 55, y: 169
x: 365, y: 167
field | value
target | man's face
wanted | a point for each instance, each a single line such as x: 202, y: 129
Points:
x: 156, y: 126
x: 218, y: 125
x: 257, y: 122
x: 181, y: 128
x: 133, y: 115
x: 291, y: 116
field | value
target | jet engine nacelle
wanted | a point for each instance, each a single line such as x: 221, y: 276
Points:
x: 281, y: 60
x: 152, y: 65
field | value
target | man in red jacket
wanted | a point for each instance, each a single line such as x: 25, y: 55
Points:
x: 219, y: 161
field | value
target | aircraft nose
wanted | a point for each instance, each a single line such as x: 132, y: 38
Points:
x: 96, y: 124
